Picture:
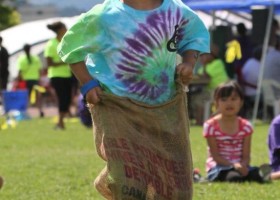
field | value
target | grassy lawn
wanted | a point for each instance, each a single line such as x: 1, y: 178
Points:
x: 39, y: 163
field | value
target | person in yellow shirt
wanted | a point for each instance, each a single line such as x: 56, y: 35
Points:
x: 29, y: 66
x: 59, y: 73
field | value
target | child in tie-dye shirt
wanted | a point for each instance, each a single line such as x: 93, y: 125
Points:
x: 128, y: 48
x: 132, y: 52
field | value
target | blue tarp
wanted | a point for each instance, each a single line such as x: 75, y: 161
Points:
x: 235, y: 5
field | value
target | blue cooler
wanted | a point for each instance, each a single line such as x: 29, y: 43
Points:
x: 15, y: 100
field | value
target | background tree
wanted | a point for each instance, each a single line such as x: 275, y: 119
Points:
x: 9, y: 15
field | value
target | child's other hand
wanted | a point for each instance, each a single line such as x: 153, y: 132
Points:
x: 243, y: 170
x: 93, y: 96
x: 185, y: 72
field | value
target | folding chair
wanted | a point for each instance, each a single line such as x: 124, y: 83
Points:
x: 269, y: 98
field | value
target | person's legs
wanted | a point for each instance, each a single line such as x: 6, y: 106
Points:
x: 65, y: 98
x: 62, y: 88
x: 3, y: 81
x: 30, y: 86
x: 74, y: 95
x: 259, y: 174
x: 254, y: 175
x: 199, y: 100
x: 231, y: 176
x: 39, y: 104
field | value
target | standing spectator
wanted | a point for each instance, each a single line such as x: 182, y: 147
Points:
x: 272, y: 61
x: 229, y: 140
x: 59, y: 73
x: 4, y: 66
x: 272, y: 67
x: 250, y: 74
x: 212, y: 69
x: 246, y: 50
x: 124, y: 56
x: 29, y: 66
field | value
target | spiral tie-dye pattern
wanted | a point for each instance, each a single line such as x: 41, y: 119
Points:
x: 139, y: 68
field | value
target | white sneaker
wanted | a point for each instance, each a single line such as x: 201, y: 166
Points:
x: 265, y: 171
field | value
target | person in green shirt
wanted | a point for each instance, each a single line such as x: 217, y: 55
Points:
x: 29, y: 67
x: 213, y: 69
x: 59, y: 73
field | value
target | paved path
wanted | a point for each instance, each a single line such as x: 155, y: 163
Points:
x: 33, y: 112
x: 48, y: 111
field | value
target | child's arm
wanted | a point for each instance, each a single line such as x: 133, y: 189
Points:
x: 185, y: 69
x: 212, y: 144
x: 242, y: 167
x: 246, y: 151
x: 221, y: 161
x: 80, y: 71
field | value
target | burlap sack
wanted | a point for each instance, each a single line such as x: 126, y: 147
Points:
x: 146, y: 148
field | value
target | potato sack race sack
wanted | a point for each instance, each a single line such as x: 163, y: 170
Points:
x: 146, y: 148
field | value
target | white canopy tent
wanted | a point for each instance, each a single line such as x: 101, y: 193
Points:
x: 34, y: 33
x: 31, y: 32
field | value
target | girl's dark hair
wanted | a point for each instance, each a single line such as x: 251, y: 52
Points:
x: 56, y: 26
x: 26, y: 49
x: 225, y: 90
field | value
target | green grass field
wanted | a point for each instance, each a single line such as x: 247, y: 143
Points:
x: 39, y: 163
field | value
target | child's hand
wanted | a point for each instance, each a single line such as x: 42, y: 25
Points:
x: 185, y: 72
x: 243, y: 170
x: 93, y: 96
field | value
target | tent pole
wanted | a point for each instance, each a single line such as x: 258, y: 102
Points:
x: 213, y: 25
x: 262, y: 64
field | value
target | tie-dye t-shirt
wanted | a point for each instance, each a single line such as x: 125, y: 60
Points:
x: 132, y: 53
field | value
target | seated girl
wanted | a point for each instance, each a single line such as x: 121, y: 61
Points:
x: 229, y: 140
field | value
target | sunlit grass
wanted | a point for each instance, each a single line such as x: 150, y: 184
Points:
x: 39, y: 163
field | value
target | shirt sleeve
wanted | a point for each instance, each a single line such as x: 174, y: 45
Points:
x: 247, y: 127
x: 208, y: 130
x: 274, y: 137
x: 193, y: 35
x: 85, y: 36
